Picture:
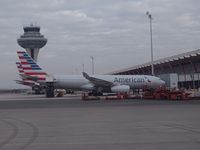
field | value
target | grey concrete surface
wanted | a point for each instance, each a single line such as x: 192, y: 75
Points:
x: 35, y: 123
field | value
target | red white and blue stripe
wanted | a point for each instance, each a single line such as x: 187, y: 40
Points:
x: 19, y: 67
x: 27, y: 82
x: 30, y: 67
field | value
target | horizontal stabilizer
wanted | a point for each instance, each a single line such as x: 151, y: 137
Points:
x: 28, y: 77
x: 28, y: 83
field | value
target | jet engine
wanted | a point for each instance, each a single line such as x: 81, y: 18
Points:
x: 120, y: 88
x: 88, y: 87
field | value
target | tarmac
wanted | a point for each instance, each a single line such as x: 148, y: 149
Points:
x: 30, y: 122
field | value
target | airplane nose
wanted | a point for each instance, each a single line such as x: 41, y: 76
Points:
x: 162, y: 82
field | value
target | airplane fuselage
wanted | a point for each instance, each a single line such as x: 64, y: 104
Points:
x: 134, y: 81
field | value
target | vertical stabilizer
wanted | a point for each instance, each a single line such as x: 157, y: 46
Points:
x: 30, y: 67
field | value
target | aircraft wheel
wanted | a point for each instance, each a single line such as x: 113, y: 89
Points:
x: 49, y: 90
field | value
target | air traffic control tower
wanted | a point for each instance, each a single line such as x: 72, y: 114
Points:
x: 32, y: 40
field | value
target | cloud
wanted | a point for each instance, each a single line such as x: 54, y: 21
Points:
x: 115, y: 32
x: 187, y: 20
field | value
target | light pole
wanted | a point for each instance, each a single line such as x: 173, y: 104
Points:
x: 92, y: 64
x: 150, y: 18
x: 83, y: 67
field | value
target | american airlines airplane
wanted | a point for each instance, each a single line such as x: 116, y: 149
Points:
x: 98, y: 84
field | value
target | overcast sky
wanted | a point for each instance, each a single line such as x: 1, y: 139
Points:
x: 114, y: 32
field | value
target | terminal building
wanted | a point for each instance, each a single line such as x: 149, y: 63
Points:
x: 185, y: 66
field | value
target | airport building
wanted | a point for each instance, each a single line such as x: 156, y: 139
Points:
x: 32, y: 40
x: 185, y: 66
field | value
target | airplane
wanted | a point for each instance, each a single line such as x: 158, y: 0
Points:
x: 97, y: 84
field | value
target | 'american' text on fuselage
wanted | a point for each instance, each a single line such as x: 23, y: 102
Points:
x: 129, y: 80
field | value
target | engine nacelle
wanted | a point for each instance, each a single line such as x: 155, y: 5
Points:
x: 120, y: 88
x: 88, y: 87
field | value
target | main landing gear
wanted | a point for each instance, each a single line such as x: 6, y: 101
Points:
x: 95, y: 93
x: 49, y: 89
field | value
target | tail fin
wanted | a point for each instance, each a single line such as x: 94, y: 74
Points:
x: 25, y: 80
x: 19, y: 67
x: 30, y: 67
x: 21, y: 73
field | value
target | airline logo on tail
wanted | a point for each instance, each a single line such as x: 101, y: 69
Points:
x: 30, y: 68
x: 24, y: 81
x: 19, y: 67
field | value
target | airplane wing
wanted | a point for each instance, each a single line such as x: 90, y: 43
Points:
x: 97, y: 81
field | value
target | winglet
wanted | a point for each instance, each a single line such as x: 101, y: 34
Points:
x: 96, y: 81
x: 85, y: 75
